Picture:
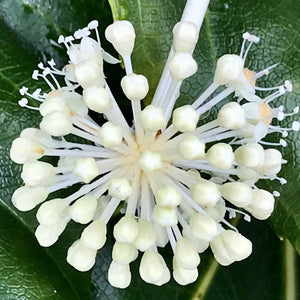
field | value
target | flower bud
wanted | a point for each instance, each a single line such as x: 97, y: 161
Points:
x: 119, y: 275
x: 167, y: 196
x: 135, y: 86
x: 218, y: 211
x: 203, y: 227
x: 86, y: 168
x: 272, y: 162
x: 26, y: 198
x: 94, y: 235
x: 75, y: 103
x: 250, y: 155
x: 231, y: 116
x: 57, y: 123
x: 185, y: 118
x: 161, y: 235
x: 237, y: 193
x: 220, y: 156
x: 205, y: 193
x: 164, y: 216
x: 123, y: 253
x: 126, y: 230
x: 185, y: 36
x: 54, y: 104
x: 245, y: 173
x: 191, y: 148
x: 119, y: 188
x: 184, y: 276
x: 97, y: 99
x: 110, y: 135
x: 200, y: 245
x: 88, y: 73
x: 83, y: 210
x: 146, y: 237
x: 186, y: 254
x: 152, y: 118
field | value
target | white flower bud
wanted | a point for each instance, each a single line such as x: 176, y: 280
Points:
x: 126, y: 230
x: 75, y: 103
x: 186, y: 255
x: 152, y: 118
x: 200, y: 245
x: 167, y: 196
x: 110, y: 135
x: 152, y: 267
x: 237, y: 193
x: 231, y: 116
x: 135, y: 86
x: 245, y: 173
x: 203, y: 227
x: 97, y: 99
x: 149, y: 161
x: 26, y: 198
x: 86, y: 168
x: 80, y: 257
x: 48, y: 235
x: 121, y: 34
x: 272, y: 162
x: 119, y: 188
x: 88, y: 73
x: 57, y: 123
x: 161, y: 235
x: 164, y: 216
x: 184, y: 276
x: 185, y: 118
x: 53, y: 104
x: 91, y: 50
x: 50, y: 212
x: 191, y: 148
x: 229, y: 67
x: 185, y: 36
x: 24, y: 149
x: 123, y: 253
x: 218, y: 211
x: 37, y: 173
x: 220, y: 252
x: 75, y: 55
x: 220, y: 156
x: 119, y: 275
x: 94, y: 235
x: 182, y: 65
x: 83, y: 210
x: 250, y: 155
x: 37, y: 135
x: 262, y: 204
x: 206, y: 193
x: 146, y: 237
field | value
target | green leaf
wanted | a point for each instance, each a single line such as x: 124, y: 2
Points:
x: 221, y: 33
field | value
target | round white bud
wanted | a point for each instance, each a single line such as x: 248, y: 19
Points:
x: 200, y: 245
x: 245, y: 173
x: 152, y: 267
x: 48, y: 235
x: 272, y: 162
x: 36, y: 134
x: 250, y: 155
x: 152, y: 118
x: 135, y: 86
x: 203, y: 227
x: 184, y: 276
x: 229, y: 67
x: 57, y: 123
x: 119, y: 275
x: 161, y: 235
x: 26, y: 198
x: 50, y: 212
x: 231, y: 116
x: 218, y: 211
x: 182, y: 65
x: 167, y: 196
x: 121, y: 34
x: 185, y: 118
x: 88, y: 73
x: 237, y: 193
x: 191, y: 148
x: 24, y: 149
x: 123, y: 253
x: 149, y: 161
x: 146, y: 237
x: 186, y: 255
x: 97, y: 99
x: 37, y: 173
x: 83, y: 210
x: 126, y: 230
x: 185, y: 36
x: 110, y: 135
x: 220, y: 252
x: 262, y: 204
x: 206, y: 193
x: 94, y: 235
x: 86, y: 168
x: 75, y: 103
x: 164, y: 216
x: 75, y: 55
x: 238, y: 247
x: 53, y: 104
x: 220, y: 156
x: 80, y: 257
x: 119, y: 188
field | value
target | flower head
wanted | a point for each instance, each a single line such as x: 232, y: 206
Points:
x: 172, y: 187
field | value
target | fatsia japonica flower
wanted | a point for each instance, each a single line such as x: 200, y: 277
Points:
x: 174, y: 181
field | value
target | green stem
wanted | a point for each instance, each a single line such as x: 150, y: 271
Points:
x: 290, y: 271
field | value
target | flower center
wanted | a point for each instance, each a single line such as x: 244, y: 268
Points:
x: 149, y: 161
x: 265, y: 113
x: 250, y: 76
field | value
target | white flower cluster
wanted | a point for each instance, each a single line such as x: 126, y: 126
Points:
x: 170, y: 185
